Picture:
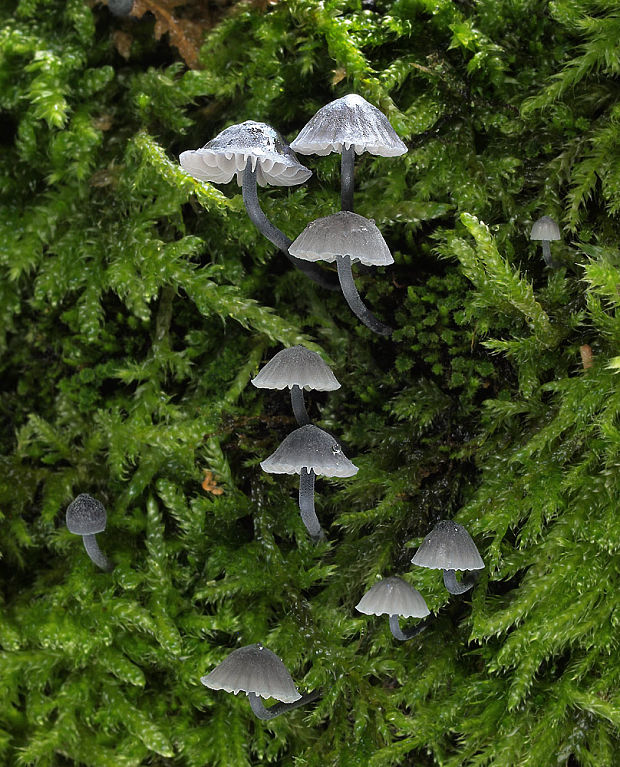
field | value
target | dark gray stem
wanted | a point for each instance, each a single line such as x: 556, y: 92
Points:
x: 95, y: 553
x: 306, y: 505
x: 299, y: 406
x: 347, y: 178
x: 249, y: 190
x: 265, y: 714
x: 547, y: 255
x: 404, y: 636
x: 359, y: 309
x: 454, y: 587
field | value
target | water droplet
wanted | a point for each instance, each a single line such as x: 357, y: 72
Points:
x: 336, y: 448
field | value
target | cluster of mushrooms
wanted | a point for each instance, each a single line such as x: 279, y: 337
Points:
x: 258, y: 155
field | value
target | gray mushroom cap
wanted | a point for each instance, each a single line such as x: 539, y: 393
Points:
x: 296, y: 366
x: 227, y: 154
x: 86, y: 515
x: 253, y: 669
x: 342, y: 234
x: 349, y: 122
x: 393, y: 596
x: 309, y: 448
x: 545, y: 229
x: 448, y: 547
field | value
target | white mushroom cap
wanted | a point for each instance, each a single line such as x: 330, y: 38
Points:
x: 448, y: 547
x: 545, y: 229
x: 349, y: 122
x: 342, y: 234
x: 253, y: 669
x: 393, y: 596
x: 296, y: 366
x: 309, y: 448
x: 86, y: 515
x: 227, y: 154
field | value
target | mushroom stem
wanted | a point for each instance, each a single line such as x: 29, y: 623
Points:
x: 454, y: 587
x: 357, y: 306
x: 546, y: 248
x: 249, y: 191
x: 306, y: 505
x: 299, y: 406
x: 347, y: 178
x: 265, y: 714
x: 95, y: 553
x: 404, y: 636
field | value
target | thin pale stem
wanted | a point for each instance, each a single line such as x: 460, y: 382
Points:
x: 455, y: 587
x: 546, y: 248
x: 404, y: 636
x: 249, y: 190
x: 306, y: 505
x: 95, y: 553
x: 299, y: 406
x: 264, y: 713
x: 357, y: 306
x: 347, y: 178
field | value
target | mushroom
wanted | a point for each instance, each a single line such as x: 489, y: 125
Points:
x: 255, y: 153
x: 309, y: 451
x: 449, y: 547
x: 120, y: 7
x: 297, y: 368
x: 394, y: 597
x: 258, y: 672
x: 349, y: 126
x: 545, y: 230
x: 346, y: 237
x: 86, y: 516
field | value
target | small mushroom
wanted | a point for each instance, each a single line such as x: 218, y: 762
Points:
x: 309, y: 451
x: 297, y: 368
x: 255, y: 153
x: 120, y: 7
x: 349, y: 126
x: 394, y: 597
x: 346, y: 237
x: 449, y: 547
x: 87, y: 516
x: 546, y: 230
x: 258, y: 672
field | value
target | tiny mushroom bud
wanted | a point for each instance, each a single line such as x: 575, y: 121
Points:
x: 255, y: 153
x: 309, y: 451
x: 546, y: 230
x: 345, y: 237
x: 259, y: 673
x: 86, y: 516
x: 349, y: 126
x: 394, y: 597
x: 297, y: 368
x: 449, y: 547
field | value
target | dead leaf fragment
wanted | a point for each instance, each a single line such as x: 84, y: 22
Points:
x: 122, y: 42
x: 210, y: 485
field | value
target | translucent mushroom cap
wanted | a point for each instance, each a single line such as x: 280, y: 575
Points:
x: 309, y: 448
x: 253, y: 669
x: 296, y: 366
x: 86, y: 515
x: 342, y: 234
x: 545, y: 229
x: 349, y: 122
x: 448, y: 546
x: 227, y: 154
x: 393, y: 596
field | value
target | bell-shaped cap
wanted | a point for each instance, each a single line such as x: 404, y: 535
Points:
x: 393, y: 596
x: 296, y: 366
x: 349, y: 122
x: 545, y: 229
x: 309, y: 448
x: 342, y: 234
x: 86, y: 515
x: 253, y: 669
x: 448, y: 546
x: 228, y: 153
